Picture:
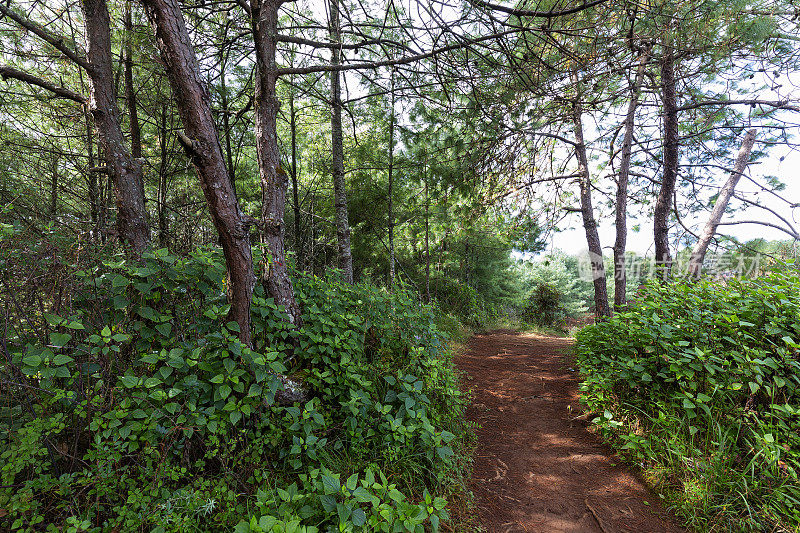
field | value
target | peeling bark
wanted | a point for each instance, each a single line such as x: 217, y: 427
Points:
x: 201, y: 143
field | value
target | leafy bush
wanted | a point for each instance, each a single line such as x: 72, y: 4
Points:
x: 544, y: 306
x: 700, y: 382
x: 555, y: 290
x: 129, y: 403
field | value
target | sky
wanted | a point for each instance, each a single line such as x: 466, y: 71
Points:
x: 780, y: 161
x: 572, y: 238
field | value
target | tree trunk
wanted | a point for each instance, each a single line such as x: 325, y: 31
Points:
x: 620, y: 276
x: 391, y: 182
x: 163, y: 228
x: 298, y: 238
x: 130, y: 93
x: 670, y: 162
x: 91, y: 179
x: 427, y: 244
x: 274, y: 179
x: 602, y: 308
x: 125, y: 170
x: 345, y: 257
x: 54, y: 189
x: 699, y: 251
x: 104, y: 185
x: 226, y: 125
x: 201, y: 143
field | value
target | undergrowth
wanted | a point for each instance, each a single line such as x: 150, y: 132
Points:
x: 699, y: 383
x: 128, y: 403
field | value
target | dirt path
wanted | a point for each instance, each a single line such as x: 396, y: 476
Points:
x: 536, y: 468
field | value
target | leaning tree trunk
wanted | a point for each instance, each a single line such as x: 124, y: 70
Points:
x: 201, y: 142
x: 337, y: 148
x: 125, y: 170
x: 699, y: 251
x: 602, y: 308
x: 620, y: 275
x: 670, y: 162
x: 274, y: 179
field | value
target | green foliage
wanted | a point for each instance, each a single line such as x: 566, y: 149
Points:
x: 544, y: 306
x: 701, y: 383
x: 554, y: 290
x: 133, y: 405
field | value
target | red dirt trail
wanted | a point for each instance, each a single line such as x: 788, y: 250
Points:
x: 537, y: 468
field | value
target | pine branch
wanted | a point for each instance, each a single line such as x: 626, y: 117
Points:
x: 537, y: 14
x: 57, y: 41
x: 9, y: 72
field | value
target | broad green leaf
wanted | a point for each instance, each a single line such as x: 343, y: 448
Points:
x: 59, y: 340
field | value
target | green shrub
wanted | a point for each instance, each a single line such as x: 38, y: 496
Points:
x: 130, y: 404
x: 700, y: 382
x: 555, y: 290
x: 544, y: 306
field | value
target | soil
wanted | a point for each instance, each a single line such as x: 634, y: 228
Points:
x: 537, y: 466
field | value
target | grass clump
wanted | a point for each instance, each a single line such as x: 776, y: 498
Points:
x: 699, y: 383
x: 130, y: 405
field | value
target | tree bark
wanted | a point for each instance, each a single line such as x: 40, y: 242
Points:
x: 163, y: 226
x: 602, y: 308
x: 54, y: 189
x: 130, y: 98
x: 91, y: 178
x: 274, y: 179
x: 427, y: 244
x: 298, y: 238
x: 201, y: 142
x: 126, y: 171
x: 62, y: 92
x: 391, y: 181
x: 130, y: 92
x: 700, y: 249
x: 226, y: 126
x: 621, y: 220
x: 345, y: 257
x: 670, y: 161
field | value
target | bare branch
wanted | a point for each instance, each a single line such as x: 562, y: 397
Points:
x: 780, y: 104
x: 369, y: 65
x: 788, y: 231
x: 537, y: 14
x: 342, y: 46
x: 57, y: 41
x: 62, y: 92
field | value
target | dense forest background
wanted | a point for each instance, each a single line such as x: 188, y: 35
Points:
x: 421, y: 145
x: 232, y: 233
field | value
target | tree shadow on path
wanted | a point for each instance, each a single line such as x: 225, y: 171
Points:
x: 537, y: 467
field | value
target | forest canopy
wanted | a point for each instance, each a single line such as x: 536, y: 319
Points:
x: 267, y: 216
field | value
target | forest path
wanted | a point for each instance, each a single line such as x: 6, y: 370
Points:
x: 537, y: 468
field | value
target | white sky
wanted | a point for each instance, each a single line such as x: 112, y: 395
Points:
x: 780, y: 161
x: 573, y: 240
